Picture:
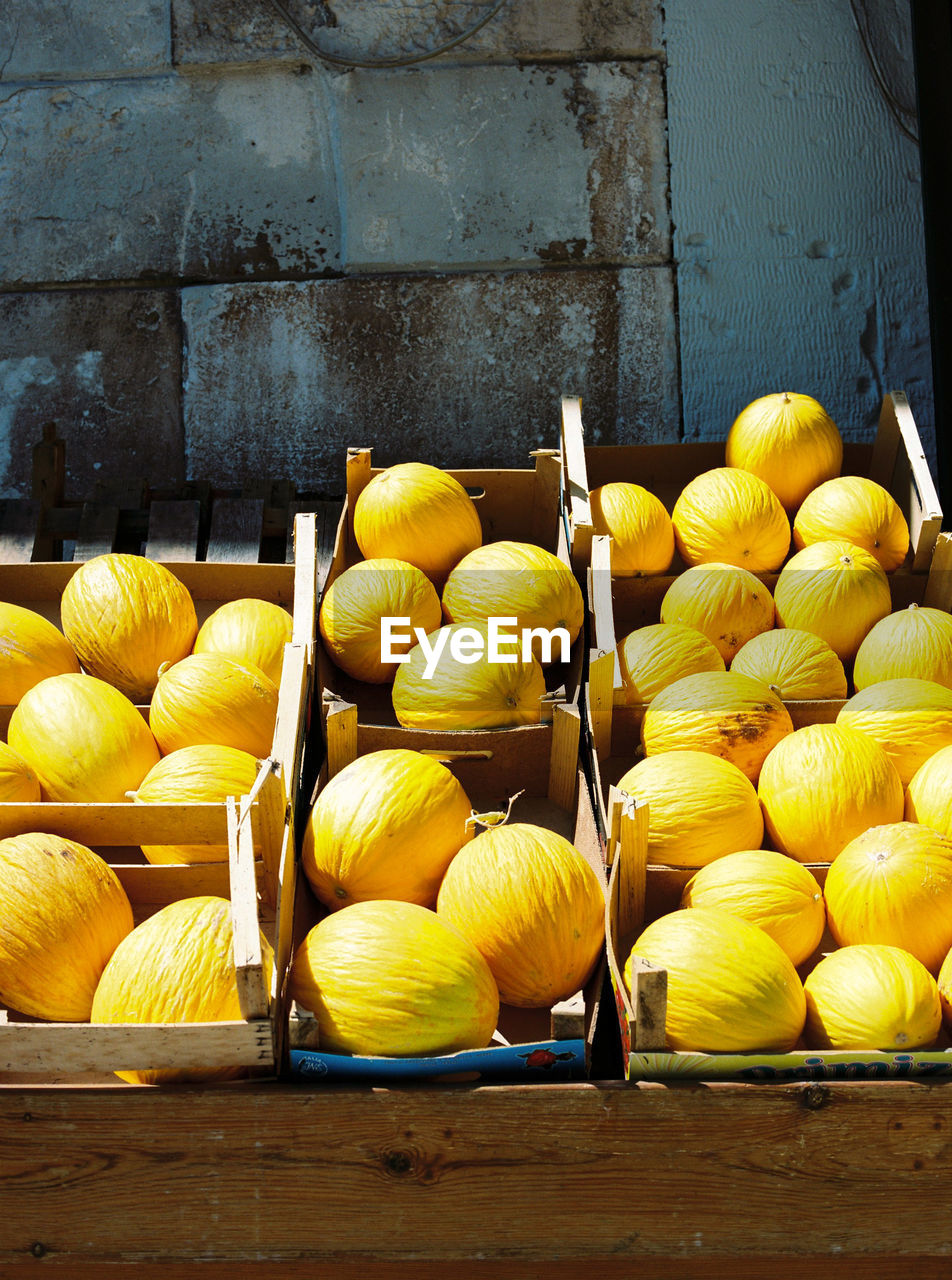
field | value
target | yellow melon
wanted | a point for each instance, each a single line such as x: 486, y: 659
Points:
x: 64, y: 912
x: 398, y: 846
x: 700, y: 807
x: 31, y: 648
x: 18, y: 781
x: 468, y: 691
x: 654, y: 656
x: 203, y: 774
x: 722, y: 712
x: 770, y: 890
x: 729, y: 516
x: 532, y: 906
x: 248, y: 630
x: 731, y: 988
x: 392, y: 978
x: 177, y: 966
x: 797, y: 665
x: 824, y: 784
x: 910, y: 719
x: 639, y: 526
x: 418, y: 513
x: 944, y: 982
x: 789, y: 440
x: 858, y: 510
x: 871, y: 996
x: 126, y: 616
x: 208, y: 698
x: 834, y: 589
x: 893, y: 884
x: 908, y: 642
x: 929, y: 793
x: 516, y: 580
x: 83, y: 739
x: 725, y: 603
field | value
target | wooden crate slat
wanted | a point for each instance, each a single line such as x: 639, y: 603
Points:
x: 19, y: 522
x: 174, y: 525
x: 236, y: 530
x: 98, y: 525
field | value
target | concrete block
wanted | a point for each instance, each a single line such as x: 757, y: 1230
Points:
x: 61, y: 39
x: 105, y: 366
x: 491, y: 166
x: 246, y: 30
x: 461, y: 370
x: 168, y: 177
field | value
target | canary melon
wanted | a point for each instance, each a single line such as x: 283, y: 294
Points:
x: 908, y: 642
x: 31, y: 648
x: 727, y: 604
x: 910, y: 719
x: 248, y: 630
x: 929, y: 793
x: 871, y: 996
x: 859, y: 510
x: 654, y: 656
x: 789, y: 440
x: 208, y: 698
x: 18, y: 781
x: 639, y: 526
x: 797, y: 665
x: 730, y: 516
x: 835, y: 589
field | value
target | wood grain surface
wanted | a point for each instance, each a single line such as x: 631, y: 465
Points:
x: 267, y: 1179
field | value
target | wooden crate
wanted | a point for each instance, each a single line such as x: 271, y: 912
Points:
x: 639, y: 893
x: 258, y: 829
x: 532, y: 1044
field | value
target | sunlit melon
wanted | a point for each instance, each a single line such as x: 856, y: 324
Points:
x: 700, y: 807
x: 639, y: 526
x: 770, y: 890
x: 18, y: 781
x: 730, y: 516
x: 721, y: 712
x: 797, y: 665
x: 31, y: 648
x: 354, y: 607
x: 824, y: 784
x: 789, y: 440
x: 871, y: 996
x: 916, y: 641
x: 893, y: 884
x: 929, y: 793
x: 248, y: 630
x: 910, y: 718
x: 731, y: 988
x: 859, y: 510
x: 834, y: 589
x: 208, y: 698
x: 725, y: 603
x: 654, y: 656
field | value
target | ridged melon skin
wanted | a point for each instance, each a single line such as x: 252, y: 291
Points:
x: 392, y: 979
x: 929, y: 793
x: 31, y: 648
x: 534, y: 908
x: 728, y: 604
x: 871, y: 996
x: 202, y: 774
x: 654, y: 656
x: 910, y: 718
x: 639, y: 526
x: 730, y: 516
x: 126, y: 616
x: 248, y: 630
x: 908, y: 642
x: 731, y: 988
x: 387, y: 826
x: 797, y: 664
x: 788, y: 439
x: 64, y: 912
x: 84, y: 740
x: 178, y: 965
x: 858, y: 509
x: 18, y: 781
x: 208, y: 698
x: 835, y: 589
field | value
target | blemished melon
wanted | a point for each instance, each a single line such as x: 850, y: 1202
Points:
x: 31, y: 648
x: 700, y: 807
x: 84, y: 740
x: 916, y: 641
x: 768, y: 889
x: 397, y: 846
x: 910, y: 719
x: 871, y: 996
x: 929, y: 793
x: 202, y: 774
x: 731, y: 988
x: 208, y: 698
x: 64, y: 912
x: 789, y: 440
x: 392, y: 979
x: 355, y: 605
x: 532, y: 906
x: 893, y: 884
x: 797, y: 665
x: 639, y: 526
x: 730, y: 516
x: 859, y: 510
x: 18, y: 781
x: 822, y: 785
x: 835, y: 589
x: 248, y: 630
x: 722, y: 712
x: 177, y: 966
x: 727, y: 604
x: 654, y: 656
x: 415, y: 512
x: 127, y: 616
